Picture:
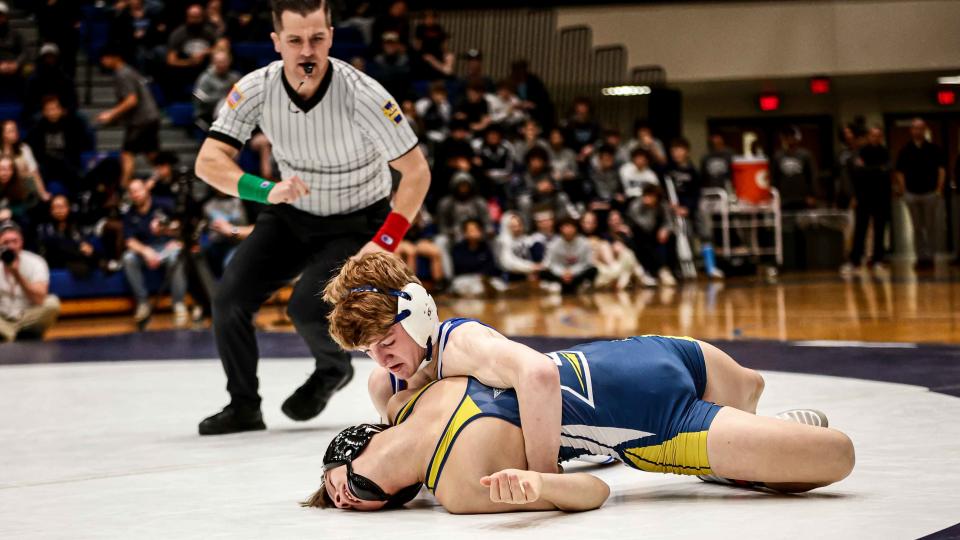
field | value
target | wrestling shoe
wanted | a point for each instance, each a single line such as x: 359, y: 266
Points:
x: 310, y: 399
x: 809, y: 417
x: 232, y: 420
x: 598, y: 460
x: 714, y: 479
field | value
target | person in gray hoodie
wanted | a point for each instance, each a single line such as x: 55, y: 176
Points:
x: 462, y: 204
x: 568, y: 260
x: 518, y: 254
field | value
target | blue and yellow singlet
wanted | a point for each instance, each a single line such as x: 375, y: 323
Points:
x: 636, y: 399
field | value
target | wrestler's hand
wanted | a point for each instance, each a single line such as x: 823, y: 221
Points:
x: 513, y: 486
x: 369, y: 247
x: 288, y: 191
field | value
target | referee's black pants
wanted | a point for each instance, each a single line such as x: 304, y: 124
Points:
x: 285, y: 243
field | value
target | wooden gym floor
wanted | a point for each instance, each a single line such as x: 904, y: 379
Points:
x: 902, y: 306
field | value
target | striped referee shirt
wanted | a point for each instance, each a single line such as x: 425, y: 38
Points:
x: 338, y: 142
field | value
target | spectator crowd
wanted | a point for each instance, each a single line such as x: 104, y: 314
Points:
x: 518, y: 196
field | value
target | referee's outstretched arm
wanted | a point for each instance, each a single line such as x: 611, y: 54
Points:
x: 217, y: 166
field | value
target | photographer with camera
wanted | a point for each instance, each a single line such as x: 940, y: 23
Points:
x: 152, y: 240
x: 25, y: 307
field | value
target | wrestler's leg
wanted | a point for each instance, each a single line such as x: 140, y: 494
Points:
x: 728, y: 383
x: 785, y: 456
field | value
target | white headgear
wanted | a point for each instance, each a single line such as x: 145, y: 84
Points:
x: 416, y: 311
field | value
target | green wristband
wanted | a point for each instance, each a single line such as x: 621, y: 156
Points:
x: 254, y: 188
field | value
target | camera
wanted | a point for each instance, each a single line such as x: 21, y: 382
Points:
x: 7, y: 256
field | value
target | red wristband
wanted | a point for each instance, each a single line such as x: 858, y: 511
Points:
x: 392, y: 231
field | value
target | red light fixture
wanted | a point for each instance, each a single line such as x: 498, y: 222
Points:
x: 820, y: 85
x: 769, y: 101
x: 946, y: 97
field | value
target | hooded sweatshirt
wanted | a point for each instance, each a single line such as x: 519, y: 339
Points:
x: 454, y: 209
x: 515, y: 254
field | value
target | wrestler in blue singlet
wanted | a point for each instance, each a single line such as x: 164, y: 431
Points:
x: 636, y: 399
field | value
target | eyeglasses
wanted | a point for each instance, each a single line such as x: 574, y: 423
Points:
x: 360, y: 486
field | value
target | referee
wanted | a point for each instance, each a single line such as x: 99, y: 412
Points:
x: 334, y: 132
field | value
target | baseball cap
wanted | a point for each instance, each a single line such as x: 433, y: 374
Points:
x: 49, y: 48
x: 9, y: 225
x: 473, y: 54
x: 390, y: 36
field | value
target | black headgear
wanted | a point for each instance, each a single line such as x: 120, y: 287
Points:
x: 350, y: 443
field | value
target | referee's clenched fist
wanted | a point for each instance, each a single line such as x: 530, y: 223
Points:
x: 335, y: 134
x: 288, y: 191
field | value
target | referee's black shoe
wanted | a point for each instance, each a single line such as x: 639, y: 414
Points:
x: 232, y: 420
x: 310, y: 399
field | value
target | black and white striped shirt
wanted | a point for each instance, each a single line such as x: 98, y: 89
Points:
x: 338, y: 142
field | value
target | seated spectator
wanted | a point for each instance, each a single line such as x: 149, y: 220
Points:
x: 26, y: 307
x: 653, y: 239
x: 506, y: 109
x: 227, y: 226
x: 48, y: 78
x: 358, y: 16
x: 188, y: 51
x: 473, y: 262
x: 544, y: 223
x: 247, y: 21
x: 418, y: 242
x: 613, y: 139
x: 435, y: 61
x: 58, y: 139
x: 212, y: 88
x: 151, y: 242
x: 136, y: 108
x: 215, y: 18
x: 462, y: 204
x: 495, y: 162
x: 605, y: 185
x: 142, y: 34
x: 454, y: 154
x: 23, y: 158
x: 616, y: 263
x: 391, y: 67
x: 475, y: 75
x: 532, y: 93
x: 637, y: 174
x: 58, y: 22
x: 568, y: 259
x: 473, y: 108
x: 13, y: 53
x: 519, y: 256
x: 546, y: 196
x: 536, y: 167
x: 435, y: 112
x: 580, y: 128
x: 18, y: 195
x: 529, y: 139
x: 644, y: 139
x: 395, y: 21
x: 563, y: 165
x: 62, y: 244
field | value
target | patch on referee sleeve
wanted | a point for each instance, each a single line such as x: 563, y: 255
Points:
x: 234, y: 97
x: 392, y: 111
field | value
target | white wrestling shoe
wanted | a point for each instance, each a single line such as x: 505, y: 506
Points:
x: 809, y: 417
